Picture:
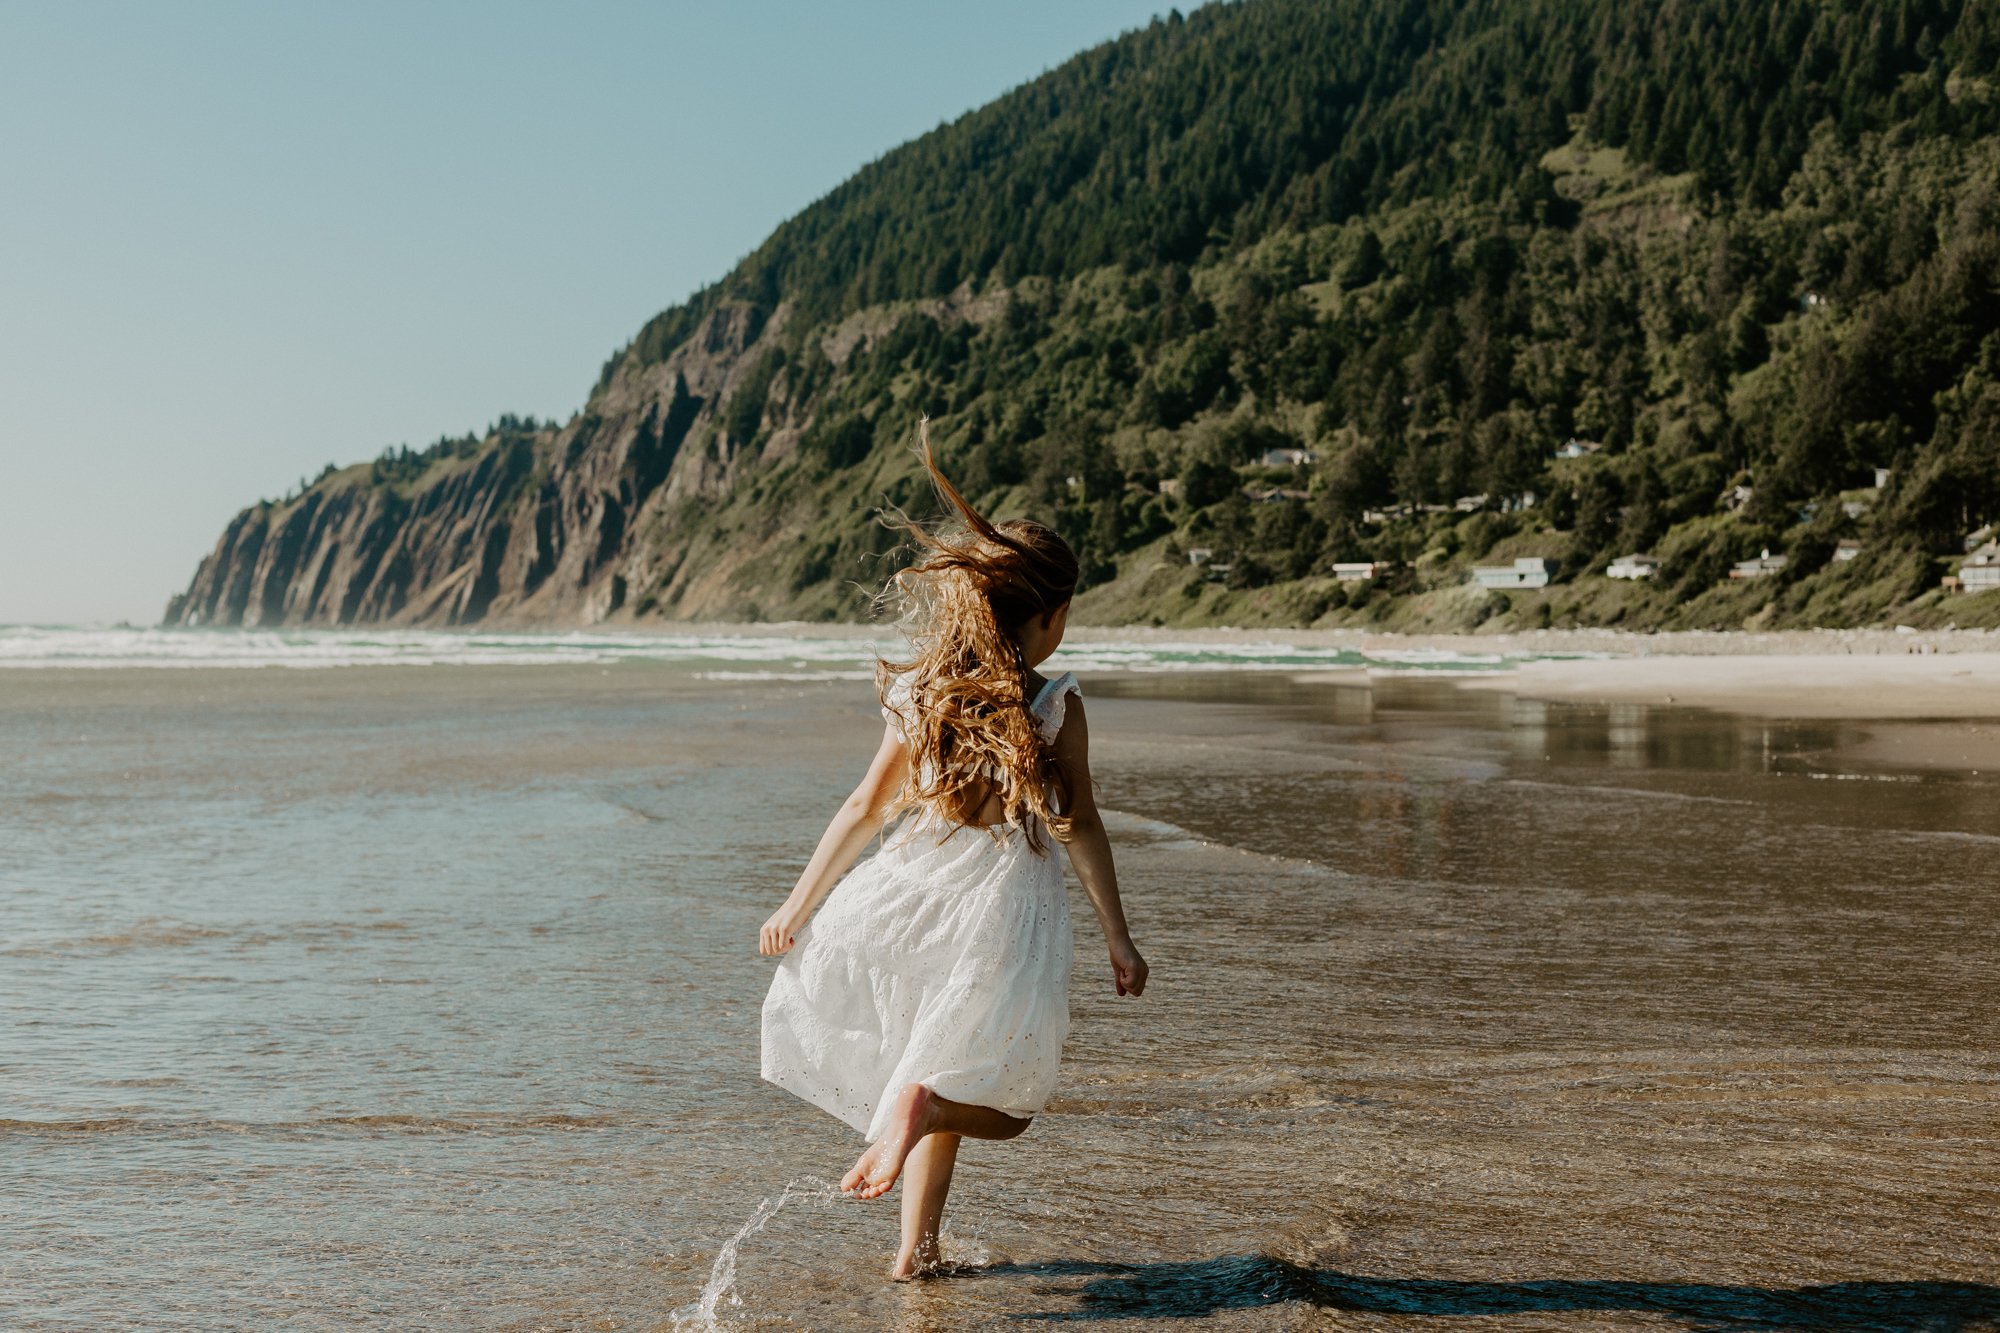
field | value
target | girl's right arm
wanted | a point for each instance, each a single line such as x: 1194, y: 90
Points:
x: 859, y: 819
x: 1090, y: 851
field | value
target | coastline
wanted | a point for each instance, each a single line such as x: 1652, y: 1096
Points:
x: 1603, y: 642
x: 1856, y: 674
x: 1849, y: 674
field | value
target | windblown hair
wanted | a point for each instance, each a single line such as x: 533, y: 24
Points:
x: 963, y: 602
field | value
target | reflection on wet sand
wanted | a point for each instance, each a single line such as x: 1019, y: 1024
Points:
x: 426, y: 999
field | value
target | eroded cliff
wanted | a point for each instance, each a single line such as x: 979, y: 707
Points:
x: 557, y: 526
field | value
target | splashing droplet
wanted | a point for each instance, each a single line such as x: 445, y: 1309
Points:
x: 699, y: 1317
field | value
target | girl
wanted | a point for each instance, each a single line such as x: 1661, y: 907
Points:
x: 929, y: 1001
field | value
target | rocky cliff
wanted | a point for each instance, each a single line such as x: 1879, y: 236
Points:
x: 655, y: 502
x: 554, y: 526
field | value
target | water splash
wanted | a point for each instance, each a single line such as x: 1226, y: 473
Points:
x: 701, y: 1314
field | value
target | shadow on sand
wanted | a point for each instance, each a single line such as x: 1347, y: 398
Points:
x: 1242, y: 1282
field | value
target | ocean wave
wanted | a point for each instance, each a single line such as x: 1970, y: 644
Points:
x: 475, y: 1122
x: 151, y: 932
x: 804, y: 653
x: 98, y: 647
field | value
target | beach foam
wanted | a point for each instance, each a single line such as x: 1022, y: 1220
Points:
x: 803, y: 653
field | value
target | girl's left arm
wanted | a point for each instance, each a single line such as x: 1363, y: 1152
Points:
x: 1090, y: 852
x: 858, y: 820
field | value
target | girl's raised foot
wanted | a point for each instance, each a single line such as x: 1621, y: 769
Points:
x: 909, y: 1120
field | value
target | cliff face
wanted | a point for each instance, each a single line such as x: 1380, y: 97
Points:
x: 554, y: 527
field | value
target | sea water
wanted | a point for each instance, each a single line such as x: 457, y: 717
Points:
x: 425, y: 996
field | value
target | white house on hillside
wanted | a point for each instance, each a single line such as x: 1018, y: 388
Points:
x: 1761, y: 567
x: 1288, y: 458
x: 1527, y: 572
x: 1633, y: 567
x: 1360, y: 571
x: 1981, y: 569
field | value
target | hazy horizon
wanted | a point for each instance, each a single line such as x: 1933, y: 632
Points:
x: 251, y: 241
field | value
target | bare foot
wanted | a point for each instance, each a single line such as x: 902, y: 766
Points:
x: 909, y: 1121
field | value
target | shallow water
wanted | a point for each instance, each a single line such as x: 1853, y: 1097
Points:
x: 420, y: 997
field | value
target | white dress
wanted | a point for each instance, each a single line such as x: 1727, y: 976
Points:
x: 945, y: 964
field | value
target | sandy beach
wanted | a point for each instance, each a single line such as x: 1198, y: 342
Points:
x: 1959, y: 685
x: 1824, y: 674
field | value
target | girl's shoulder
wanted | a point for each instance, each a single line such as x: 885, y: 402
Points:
x: 1048, y: 706
x: 896, y: 700
x: 1051, y: 702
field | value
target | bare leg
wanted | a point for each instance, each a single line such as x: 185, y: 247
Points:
x: 919, y: 1112
x: 926, y: 1181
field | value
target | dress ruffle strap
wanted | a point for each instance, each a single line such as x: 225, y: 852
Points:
x: 1052, y: 704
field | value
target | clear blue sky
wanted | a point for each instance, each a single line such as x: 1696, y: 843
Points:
x: 243, y: 240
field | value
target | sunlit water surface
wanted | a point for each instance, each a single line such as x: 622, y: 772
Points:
x: 426, y: 997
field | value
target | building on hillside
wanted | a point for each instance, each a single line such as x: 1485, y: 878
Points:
x: 1635, y: 566
x: 1881, y: 477
x: 1978, y: 538
x: 1854, y: 508
x: 1981, y: 569
x: 1288, y: 458
x: 1514, y: 504
x: 1736, y: 497
x: 1528, y: 571
x: 1170, y: 485
x: 1763, y: 566
x: 1200, y: 555
x: 1360, y: 571
x: 1574, y: 448
x: 1848, y: 548
x: 1470, y: 504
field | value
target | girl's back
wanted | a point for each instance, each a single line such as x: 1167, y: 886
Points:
x: 982, y: 803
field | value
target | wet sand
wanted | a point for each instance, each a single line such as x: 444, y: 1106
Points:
x: 418, y: 998
x: 1957, y: 686
x: 1604, y: 642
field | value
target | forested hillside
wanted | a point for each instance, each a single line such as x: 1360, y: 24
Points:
x: 1281, y: 285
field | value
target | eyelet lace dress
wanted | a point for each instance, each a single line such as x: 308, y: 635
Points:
x: 945, y: 964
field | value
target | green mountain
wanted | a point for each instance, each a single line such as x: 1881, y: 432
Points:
x: 1282, y: 285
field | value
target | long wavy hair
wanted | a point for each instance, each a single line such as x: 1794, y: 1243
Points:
x: 962, y: 604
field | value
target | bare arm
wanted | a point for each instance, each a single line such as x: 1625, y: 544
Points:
x: 1090, y: 851
x: 858, y: 820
